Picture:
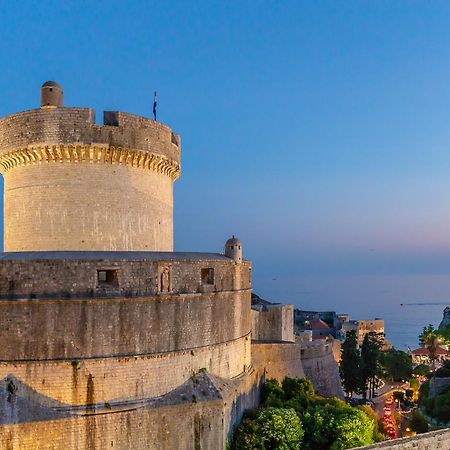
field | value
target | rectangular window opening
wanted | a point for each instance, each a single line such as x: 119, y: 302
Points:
x: 107, y: 277
x: 208, y: 276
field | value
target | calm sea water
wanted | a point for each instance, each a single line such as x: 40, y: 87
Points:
x: 367, y: 297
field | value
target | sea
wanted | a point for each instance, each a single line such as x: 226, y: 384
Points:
x: 406, y: 303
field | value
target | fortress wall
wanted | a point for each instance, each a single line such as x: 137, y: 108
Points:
x: 75, y: 275
x: 77, y: 329
x: 273, y: 323
x: 428, y: 441
x: 190, y: 426
x: 60, y: 206
x: 71, y: 125
x: 277, y: 360
x: 206, y: 423
x: 311, y: 360
x: 96, y: 381
x: 321, y: 368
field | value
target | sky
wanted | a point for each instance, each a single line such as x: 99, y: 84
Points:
x: 316, y: 131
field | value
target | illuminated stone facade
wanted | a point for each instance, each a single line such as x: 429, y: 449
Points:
x: 108, y: 338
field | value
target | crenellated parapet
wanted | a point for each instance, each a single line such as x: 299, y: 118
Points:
x: 54, y: 126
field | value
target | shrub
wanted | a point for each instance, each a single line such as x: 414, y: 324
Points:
x: 273, y: 428
x: 422, y: 370
x: 418, y: 423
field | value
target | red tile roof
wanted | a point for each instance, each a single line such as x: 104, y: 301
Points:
x: 423, y: 351
x: 317, y: 324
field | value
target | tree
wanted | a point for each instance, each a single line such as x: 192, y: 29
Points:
x: 273, y: 428
x: 397, y: 365
x: 272, y: 394
x: 431, y: 340
x: 418, y: 423
x: 370, y: 362
x: 421, y: 370
x: 350, y: 368
x: 353, y: 429
x: 399, y: 395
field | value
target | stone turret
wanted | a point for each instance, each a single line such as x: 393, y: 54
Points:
x: 233, y: 249
x: 52, y: 95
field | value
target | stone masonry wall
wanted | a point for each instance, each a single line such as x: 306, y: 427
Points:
x: 190, y: 426
x: 273, y: 323
x: 277, y: 360
x: 108, y: 324
x: 311, y: 360
x: 206, y: 420
x: 428, y: 441
x: 120, y: 380
x: 75, y: 274
x: 321, y: 368
x: 61, y: 206
x: 70, y: 125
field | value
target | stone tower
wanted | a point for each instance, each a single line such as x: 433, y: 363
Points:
x: 233, y: 249
x: 71, y: 184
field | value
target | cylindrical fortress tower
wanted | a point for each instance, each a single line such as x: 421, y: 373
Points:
x: 73, y: 185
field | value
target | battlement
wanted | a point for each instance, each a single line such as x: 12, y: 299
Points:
x: 51, y: 134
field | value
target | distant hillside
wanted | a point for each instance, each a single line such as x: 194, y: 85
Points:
x: 257, y: 300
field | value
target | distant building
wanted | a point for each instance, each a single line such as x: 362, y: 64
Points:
x: 421, y: 355
x: 363, y: 327
x: 303, y: 319
x: 319, y: 329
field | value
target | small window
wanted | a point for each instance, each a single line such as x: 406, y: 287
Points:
x: 107, y: 278
x: 208, y: 276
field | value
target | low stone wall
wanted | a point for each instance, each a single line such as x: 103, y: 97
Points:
x: 273, y: 323
x: 100, y: 380
x: 321, y: 368
x: 313, y: 360
x: 277, y: 360
x: 199, y: 415
x: 428, y: 441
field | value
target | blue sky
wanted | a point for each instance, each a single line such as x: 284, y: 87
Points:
x: 317, y: 131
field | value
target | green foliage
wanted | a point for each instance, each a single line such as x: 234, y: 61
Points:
x: 272, y: 394
x: 325, y: 423
x: 431, y: 339
x: 294, y: 387
x: 350, y: 368
x: 399, y: 395
x: 438, y: 406
x: 397, y: 365
x: 273, y: 428
x: 417, y: 423
x: 409, y: 393
x: 378, y: 435
x: 414, y: 383
x: 421, y: 370
x: 353, y: 429
x: 370, y: 362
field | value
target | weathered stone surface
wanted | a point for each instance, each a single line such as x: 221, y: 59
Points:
x: 427, y: 441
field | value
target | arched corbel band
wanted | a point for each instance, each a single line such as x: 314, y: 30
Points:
x: 86, y: 153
